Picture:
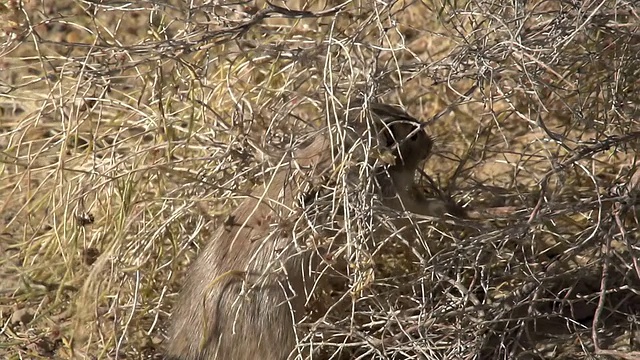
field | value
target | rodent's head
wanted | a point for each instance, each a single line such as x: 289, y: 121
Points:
x: 397, y: 132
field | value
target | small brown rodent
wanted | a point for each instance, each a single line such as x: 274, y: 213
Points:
x: 246, y: 290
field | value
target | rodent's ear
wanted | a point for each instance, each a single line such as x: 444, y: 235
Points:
x: 387, y: 135
x: 384, y: 124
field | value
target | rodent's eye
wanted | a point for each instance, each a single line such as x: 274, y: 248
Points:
x: 415, y: 136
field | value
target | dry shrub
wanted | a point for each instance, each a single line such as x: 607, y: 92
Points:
x: 129, y: 130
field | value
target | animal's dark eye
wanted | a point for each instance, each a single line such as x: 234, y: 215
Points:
x: 415, y: 136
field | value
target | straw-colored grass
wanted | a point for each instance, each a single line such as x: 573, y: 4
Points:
x: 129, y: 130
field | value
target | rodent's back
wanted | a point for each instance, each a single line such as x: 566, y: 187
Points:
x: 236, y: 302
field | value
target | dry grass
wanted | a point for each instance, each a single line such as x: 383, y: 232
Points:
x: 128, y: 130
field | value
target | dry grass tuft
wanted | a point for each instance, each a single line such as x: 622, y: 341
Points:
x: 129, y: 130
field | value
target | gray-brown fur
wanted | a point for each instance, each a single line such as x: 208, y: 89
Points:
x: 245, y: 291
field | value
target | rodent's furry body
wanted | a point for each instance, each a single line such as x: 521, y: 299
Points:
x: 247, y: 288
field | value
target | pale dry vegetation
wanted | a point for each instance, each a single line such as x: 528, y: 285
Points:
x: 128, y: 130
